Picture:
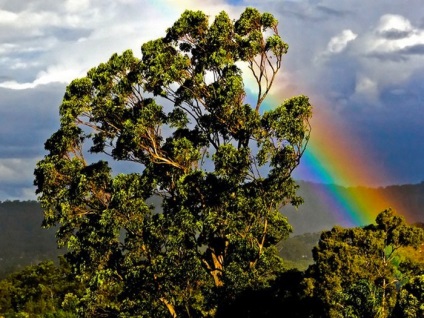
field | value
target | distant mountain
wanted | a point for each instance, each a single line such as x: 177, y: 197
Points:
x: 317, y: 214
x: 23, y: 241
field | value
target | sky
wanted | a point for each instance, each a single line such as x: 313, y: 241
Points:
x: 361, y: 63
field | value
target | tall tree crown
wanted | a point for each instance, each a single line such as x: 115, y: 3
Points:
x: 218, y: 167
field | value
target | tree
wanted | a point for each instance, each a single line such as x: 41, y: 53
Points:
x: 358, y: 271
x: 179, y: 118
x: 39, y: 291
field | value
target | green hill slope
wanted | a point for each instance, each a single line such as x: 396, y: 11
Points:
x: 22, y: 239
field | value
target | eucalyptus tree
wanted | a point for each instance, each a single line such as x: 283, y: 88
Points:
x: 193, y: 136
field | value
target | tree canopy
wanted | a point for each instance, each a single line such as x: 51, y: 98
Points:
x: 190, y: 134
x: 43, y: 290
x: 358, y: 272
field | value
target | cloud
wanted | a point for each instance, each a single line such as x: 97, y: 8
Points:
x: 44, y: 45
x: 68, y: 39
x: 353, y: 79
x: 367, y: 88
x: 306, y: 11
x: 77, y: 5
x: 395, y: 38
x: 385, y: 54
x: 417, y: 49
x: 332, y: 12
x: 54, y: 74
x: 7, y: 17
x: 16, y: 170
x: 394, y: 34
x: 394, y: 26
x: 17, y: 179
x: 19, y: 192
x: 339, y: 42
x: 28, y: 117
x: 353, y: 58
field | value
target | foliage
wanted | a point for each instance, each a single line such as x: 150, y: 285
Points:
x: 39, y: 291
x: 410, y: 302
x: 358, y: 271
x: 179, y: 118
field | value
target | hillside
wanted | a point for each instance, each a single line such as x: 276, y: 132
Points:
x: 23, y: 241
x: 317, y: 214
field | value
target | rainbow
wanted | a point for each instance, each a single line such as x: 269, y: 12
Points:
x: 336, y: 158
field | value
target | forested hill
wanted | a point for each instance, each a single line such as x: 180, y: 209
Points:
x: 23, y: 241
x: 316, y: 214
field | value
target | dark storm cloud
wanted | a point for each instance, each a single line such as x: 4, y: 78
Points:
x: 332, y: 12
x: 388, y: 56
x: 394, y: 34
x: 414, y: 50
x: 372, y: 78
x: 43, y: 43
x: 393, y: 132
x: 28, y: 117
x: 407, y: 97
x: 372, y: 81
x: 16, y: 191
x: 305, y: 11
x: 401, y: 55
x: 338, y: 78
